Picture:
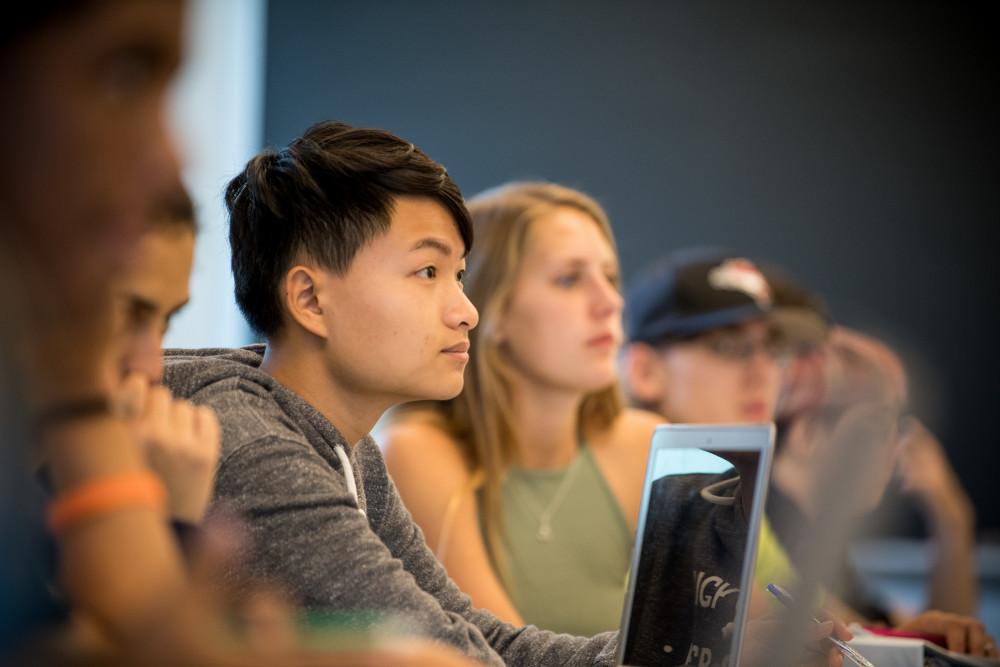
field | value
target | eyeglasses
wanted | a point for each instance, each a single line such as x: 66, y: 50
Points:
x: 736, y: 347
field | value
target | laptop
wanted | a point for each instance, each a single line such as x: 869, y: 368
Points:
x: 696, y: 545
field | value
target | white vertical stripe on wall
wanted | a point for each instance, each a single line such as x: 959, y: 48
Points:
x: 217, y: 115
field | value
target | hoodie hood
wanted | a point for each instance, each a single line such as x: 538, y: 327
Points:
x: 252, y: 405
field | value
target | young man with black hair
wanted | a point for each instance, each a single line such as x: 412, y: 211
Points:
x: 348, y: 254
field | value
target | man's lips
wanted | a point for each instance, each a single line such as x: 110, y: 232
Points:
x: 458, y: 350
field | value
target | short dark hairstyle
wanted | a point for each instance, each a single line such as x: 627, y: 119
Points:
x: 325, y: 195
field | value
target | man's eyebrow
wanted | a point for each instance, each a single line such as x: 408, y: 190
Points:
x: 435, y: 244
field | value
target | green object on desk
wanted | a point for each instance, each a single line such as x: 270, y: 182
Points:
x: 345, y: 631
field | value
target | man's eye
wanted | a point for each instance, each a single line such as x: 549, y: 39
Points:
x: 129, y: 73
x: 428, y: 272
x: 138, y: 318
x: 460, y: 276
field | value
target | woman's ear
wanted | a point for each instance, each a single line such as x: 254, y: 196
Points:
x: 644, y: 375
x: 302, y: 287
x: 494, y: 330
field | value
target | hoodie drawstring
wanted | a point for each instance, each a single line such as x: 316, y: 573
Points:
x: 352, y: 485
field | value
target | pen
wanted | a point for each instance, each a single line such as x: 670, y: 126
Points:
x: 849, y: 652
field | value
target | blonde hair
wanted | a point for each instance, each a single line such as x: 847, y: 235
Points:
x: 479, y: 418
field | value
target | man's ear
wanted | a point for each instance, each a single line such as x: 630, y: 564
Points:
x: 302, y: 288
x: 644, y: 374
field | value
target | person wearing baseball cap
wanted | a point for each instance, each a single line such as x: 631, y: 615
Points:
x: 705, y: 345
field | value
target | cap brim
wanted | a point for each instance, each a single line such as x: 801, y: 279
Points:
x: 693, y: 325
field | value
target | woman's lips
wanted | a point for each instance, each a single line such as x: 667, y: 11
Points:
x: 602, y: 342
x: 756, y: 411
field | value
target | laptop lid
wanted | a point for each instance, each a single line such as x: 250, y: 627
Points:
x: 696, y: 545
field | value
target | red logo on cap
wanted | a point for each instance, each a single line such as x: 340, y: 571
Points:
x: 741, y: 275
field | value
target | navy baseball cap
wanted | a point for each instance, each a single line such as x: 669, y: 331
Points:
x: 692, y: 292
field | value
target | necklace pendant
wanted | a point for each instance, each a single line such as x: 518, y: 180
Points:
x: 544, y: 533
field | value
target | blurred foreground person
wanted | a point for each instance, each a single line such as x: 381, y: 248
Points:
x: 857, y: 373
x: 85, y: 158
x: 85, y: 161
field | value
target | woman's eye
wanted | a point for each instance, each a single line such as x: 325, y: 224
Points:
x: 428, y: 272
x: 460, y: 276
x: 568, y: 280
x: 614, y: 279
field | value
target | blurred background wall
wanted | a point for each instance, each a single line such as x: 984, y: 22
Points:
x: 855, y: 144
x: 217, y: 114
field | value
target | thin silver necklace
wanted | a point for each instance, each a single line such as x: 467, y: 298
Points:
x: 544, y: 532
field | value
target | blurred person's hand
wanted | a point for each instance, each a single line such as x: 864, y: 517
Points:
x: 926, y: 475
x: 925, y: 472
x: 180, y: 440
x: 68, y: 348
x: 963, y: 634
x: 766, y: 637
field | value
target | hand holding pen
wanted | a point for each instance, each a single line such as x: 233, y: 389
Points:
x: 848, y: 651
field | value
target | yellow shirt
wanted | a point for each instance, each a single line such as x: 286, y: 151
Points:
x: 774, y: 566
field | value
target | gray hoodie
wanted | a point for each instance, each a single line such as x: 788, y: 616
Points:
x: 326, y: 519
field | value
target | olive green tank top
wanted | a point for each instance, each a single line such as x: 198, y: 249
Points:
x: 566, y: 574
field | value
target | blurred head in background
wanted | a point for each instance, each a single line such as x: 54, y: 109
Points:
x: 854, y: 410
x: 704, y: 345
x: 153, y: 286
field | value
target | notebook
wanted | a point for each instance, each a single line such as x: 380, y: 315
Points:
x: 888, y: 651
x: 696, y: 544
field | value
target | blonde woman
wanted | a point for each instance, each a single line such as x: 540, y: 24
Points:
x: 527, y: 485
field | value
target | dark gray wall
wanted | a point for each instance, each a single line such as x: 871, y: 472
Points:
x: 856, y: 145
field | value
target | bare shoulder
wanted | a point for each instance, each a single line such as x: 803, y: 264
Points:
x: 428, y: 467
x: 635, y: 422
x: 621, y: 451
x: 421, y: 454
x: 421, y: 438
x: 631, y: 431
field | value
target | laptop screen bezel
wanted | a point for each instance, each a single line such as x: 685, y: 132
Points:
x: 717, y: 438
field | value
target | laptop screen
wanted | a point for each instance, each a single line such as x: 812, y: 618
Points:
x: 695, y: 545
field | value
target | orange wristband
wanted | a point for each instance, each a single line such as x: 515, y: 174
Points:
x: 106, y: 495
